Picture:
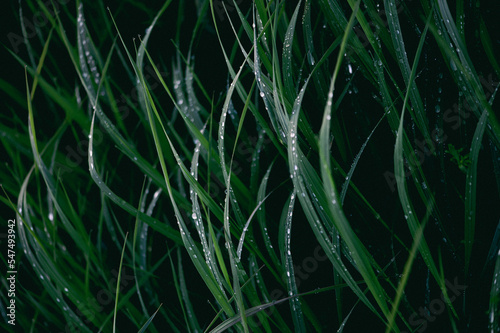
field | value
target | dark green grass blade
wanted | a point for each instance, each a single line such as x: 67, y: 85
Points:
x: 404, y: 198
x: 285, y: 236
x: 397, y: 37
x: 287, y: 55
x: 494, y: 301
x: 148, y: 322
x: 360, y: 254
x: 302, y: 174
x: 406, y: 274
x: 117, y: 293
x: 470, y: 190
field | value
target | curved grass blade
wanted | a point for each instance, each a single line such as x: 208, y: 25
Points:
x: 117, y: 293
x: 224, y: 326
x: 43, y: 264
x: 404, y: 65
x: 287, y: 55
x: 210, y: 247
x: 142, y: 47
x: 406, y: 273
x: 245, y: 228
x: 302, y: 174
x: 404, y: 198
x: 191, y: 246
x: 261, y: 216
x: 230, y: 199
x: 360, y: 255
x: 286, y: 257
x: 463, y: 70
x: 345, y: 186
x: 141, y: 231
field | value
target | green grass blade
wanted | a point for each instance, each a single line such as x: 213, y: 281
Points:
x: 470, y: 190
x: 148, y: 322
x: 399, y: 171
x: 406, y: 274
x: 286, y: 258
x: 117, y: 293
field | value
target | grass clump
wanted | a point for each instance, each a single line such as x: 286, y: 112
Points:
x: 256, y: 167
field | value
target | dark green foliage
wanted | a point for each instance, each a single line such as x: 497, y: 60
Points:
x: 257, y: 166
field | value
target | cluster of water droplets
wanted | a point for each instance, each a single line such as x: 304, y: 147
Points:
x: 86, y: 54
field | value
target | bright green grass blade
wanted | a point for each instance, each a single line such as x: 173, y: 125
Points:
x: 77, y: 235
x: 203, y: 195
x: 302, y: 174
x: 406, y: 274
x: 201, y: 192
x: 319, y: 79
x: 90, y: 75
x: 196, y: 211
x: 343, y: 193
x: 65, y: 101
x: 43, y: 264
x: 404, y: 198
x: 234, y: 264
x: 41, y: 63
x: 191, y: 246
x: 239, y: 88
x: 132, y: 153
x: 117, y: 293
x: 360, y: 255
x: 262, y: 16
